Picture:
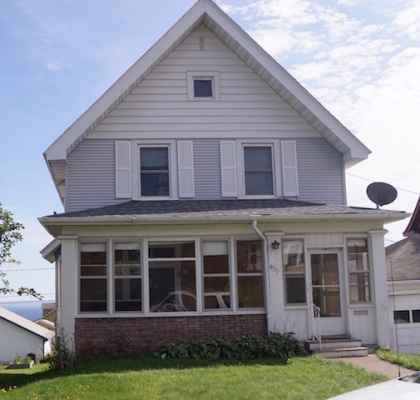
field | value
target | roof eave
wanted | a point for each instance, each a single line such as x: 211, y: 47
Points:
x: 53, y: 224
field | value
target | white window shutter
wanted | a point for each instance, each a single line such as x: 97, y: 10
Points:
x: 186, y: 169
x: 289, y: 168
x: 122, y: 170
x: 228, y: 166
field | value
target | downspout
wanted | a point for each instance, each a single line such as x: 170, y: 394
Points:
x: 266, y: 271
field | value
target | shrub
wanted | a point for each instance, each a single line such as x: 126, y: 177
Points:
x: 62, y: 357
x: 277, y: 345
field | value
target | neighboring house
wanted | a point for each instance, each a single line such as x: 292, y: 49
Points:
x: 19, y: 336
x: 403, y: 265
x: 204, y: 195
x: 48, y: 316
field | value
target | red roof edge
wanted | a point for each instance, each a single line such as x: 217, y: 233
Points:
x: 414, y: 224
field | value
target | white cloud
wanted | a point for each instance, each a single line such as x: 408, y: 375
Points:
x: 407, y: 21
x: 56, y: 65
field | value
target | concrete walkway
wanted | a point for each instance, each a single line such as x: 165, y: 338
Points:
x: 373, y: 363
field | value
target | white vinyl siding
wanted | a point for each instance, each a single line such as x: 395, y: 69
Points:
x: 122, y: 170
x: 159, y: 108
x: 289, y: 168
x: 186, y: 169
x: 228, y: 165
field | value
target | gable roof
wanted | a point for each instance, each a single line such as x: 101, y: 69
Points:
x: 403, y: 259
x: 207, y: 13
x: 213, y: 212
x: 413, y: 226
x: 24, y: 323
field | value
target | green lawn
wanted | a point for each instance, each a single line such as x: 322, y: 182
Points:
x: 301, y: 378
x: 410, y: 361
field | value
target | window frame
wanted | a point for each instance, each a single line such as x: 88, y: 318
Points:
x: 362, y: 272
x: 274, y: 144
x: 115, y: 277
x: 304, y: 274
x: 172, y: 164
x: 213, y: 76
x: 82, y: 277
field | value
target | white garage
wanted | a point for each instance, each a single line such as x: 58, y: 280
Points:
x: 403, y: 265
x: 19, y: 336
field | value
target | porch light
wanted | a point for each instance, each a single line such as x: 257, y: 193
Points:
x: 275, y: 245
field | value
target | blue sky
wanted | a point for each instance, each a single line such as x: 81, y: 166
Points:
x: 360, y: 59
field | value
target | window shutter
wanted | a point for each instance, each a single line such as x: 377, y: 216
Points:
x: 122, y: 169
x: 289, y: 167
x: 228, y: 166
x: 186, y: 169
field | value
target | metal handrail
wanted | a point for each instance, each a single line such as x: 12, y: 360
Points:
x: 316, y: 325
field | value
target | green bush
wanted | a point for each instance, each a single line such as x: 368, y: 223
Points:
x: 277, y: 345
x: 62, y: 357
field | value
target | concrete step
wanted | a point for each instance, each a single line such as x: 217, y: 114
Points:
x: 313, y: 345
x: 343, y: 352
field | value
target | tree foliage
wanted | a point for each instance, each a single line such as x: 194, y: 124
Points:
x: 10, y: 234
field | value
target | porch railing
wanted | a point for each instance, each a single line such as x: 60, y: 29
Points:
x: 316, y: 325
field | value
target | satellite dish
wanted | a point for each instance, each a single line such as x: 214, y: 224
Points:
x: 381, y: 193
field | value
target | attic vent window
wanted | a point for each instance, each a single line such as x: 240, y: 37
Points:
x: 203, y: 85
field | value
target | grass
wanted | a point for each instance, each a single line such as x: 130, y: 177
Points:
x: 301, y: 378
x: 410, y: 361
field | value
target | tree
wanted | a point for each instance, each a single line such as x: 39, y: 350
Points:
x: 10, y: 234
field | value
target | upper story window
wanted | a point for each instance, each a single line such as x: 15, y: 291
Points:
x: 258, y: 169
x: 158, y: 170
x: 154, y: 171
x: 203, y: 85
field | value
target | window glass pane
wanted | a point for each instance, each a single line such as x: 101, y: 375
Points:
x: 249, y: 256
x: 203, y: 88
x: 294, y: 271
x: 328, y: 300
x: 250, y: 292
x: 295, y: 290
x: 216, y: 264
x: 154, y: 184
x: 172, y: 286
x: 402, y: 317
x: 127, y: 276
x: 358, y: 261
x: 128, y: 294
x: 216, y: 293
x: 154, y: 171
x: 93, y: 295
x: 258, y: 170
x: 258, y: 183
x: 154, y: 159
x: 172, y: 250
x: 93, y: 281
x: 416, y: 316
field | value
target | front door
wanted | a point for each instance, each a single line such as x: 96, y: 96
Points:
x: 326, y: 291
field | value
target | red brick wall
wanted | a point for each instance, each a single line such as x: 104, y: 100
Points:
x: 134, y: 336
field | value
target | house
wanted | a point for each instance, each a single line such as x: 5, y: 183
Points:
x: 403, y: 265
x: 48, y: 316
x: 19, y: 336
x: 204, y: 195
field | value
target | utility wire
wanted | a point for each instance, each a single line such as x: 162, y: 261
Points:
x: 369, y: 180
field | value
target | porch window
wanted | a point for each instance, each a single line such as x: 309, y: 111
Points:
x: 93, y: 277
x: 359, y: 270
x: 127, y: 272
x: 249, y: 274
x: 216, y: 277
x: 172, y: 277
x: 294, y: 271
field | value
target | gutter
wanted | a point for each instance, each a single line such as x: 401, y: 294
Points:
x: 266, y: 280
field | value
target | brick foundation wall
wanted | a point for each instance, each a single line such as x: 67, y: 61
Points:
x: 105, y: 337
